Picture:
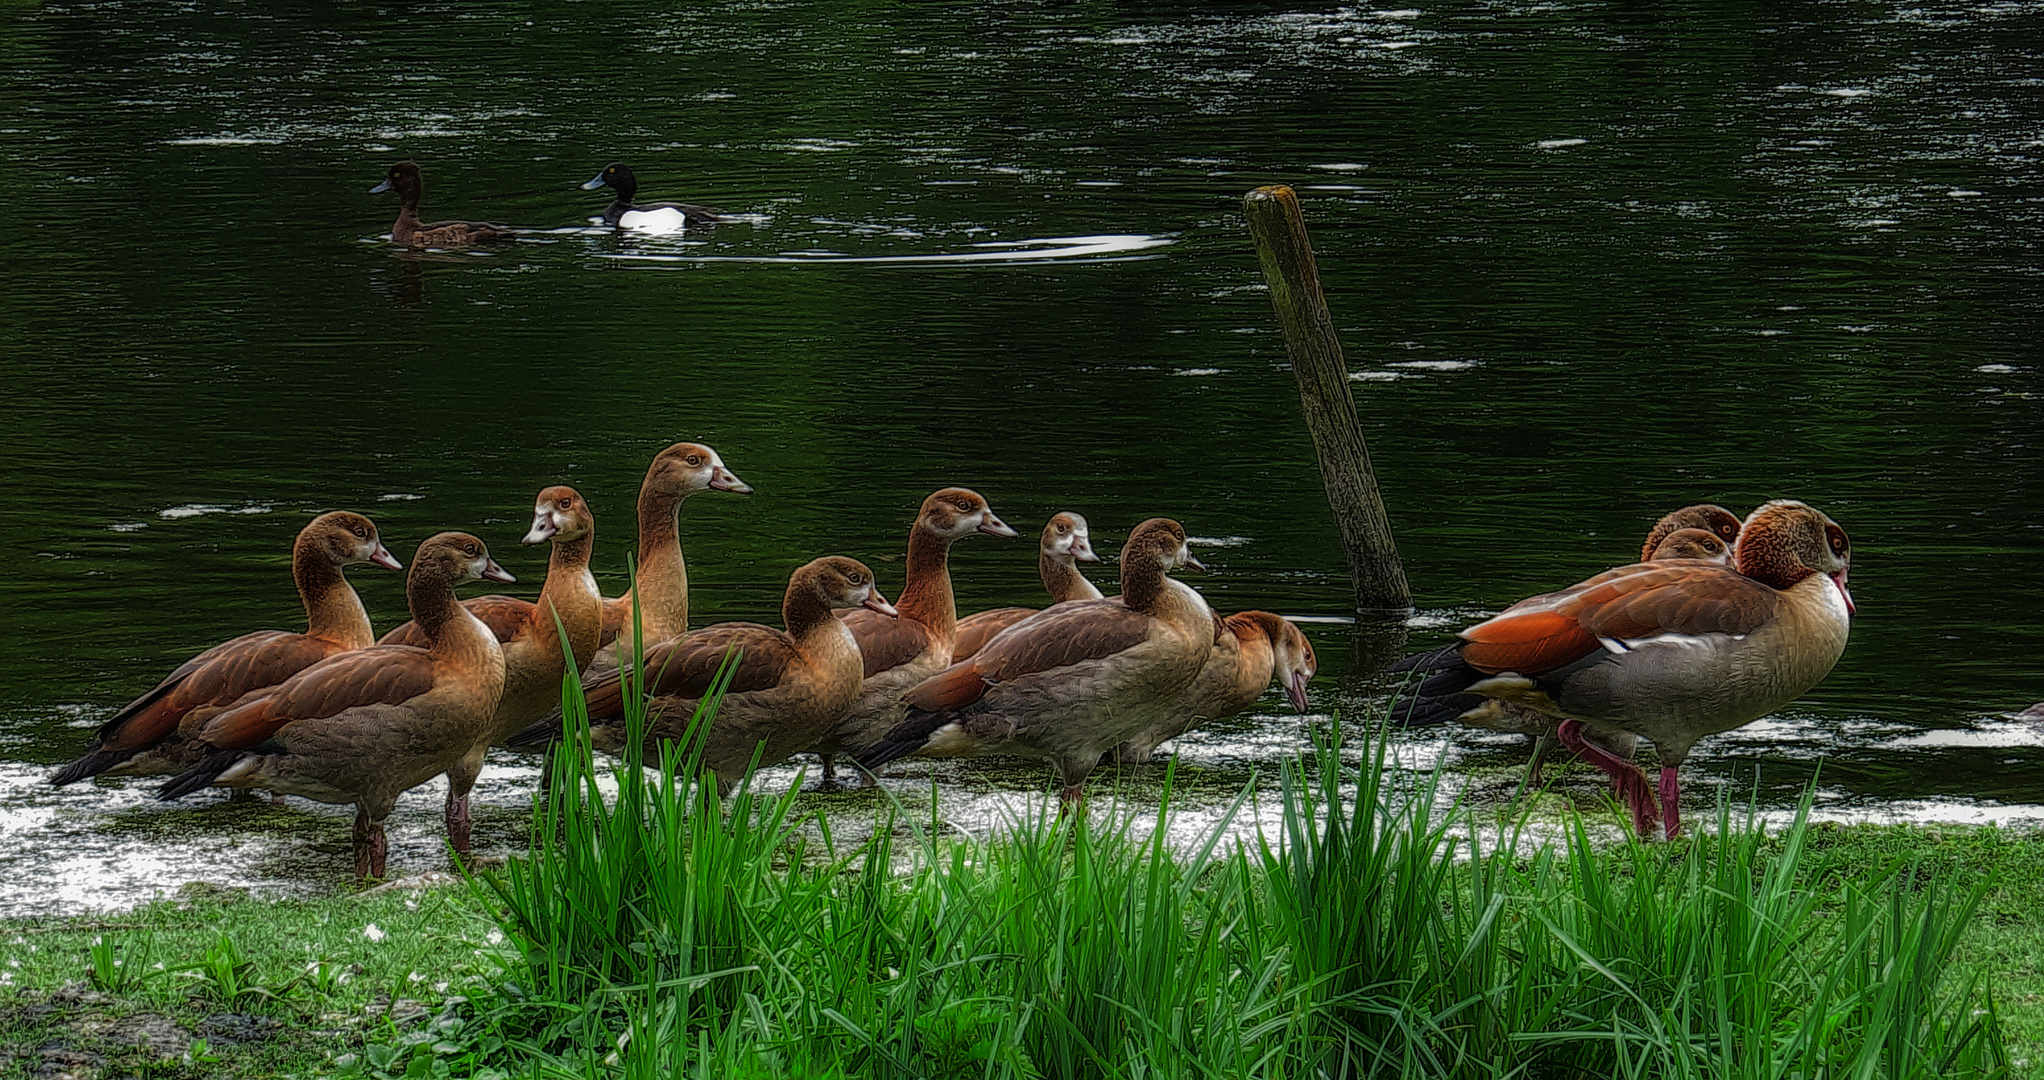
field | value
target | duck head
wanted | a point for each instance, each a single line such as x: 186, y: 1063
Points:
x: 954, y: 513
x: 347, y: 539
x: 560, y: 515
x: 1067, y: 539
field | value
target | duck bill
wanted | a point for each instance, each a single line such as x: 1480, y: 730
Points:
x: 594, y: 184
x: 726, y: 480
x: 496, y: 573
x: 1838, y: 579
x: 1191, y: 562
x: 876, y: 602
x: 382, y: 557
x: 380, y: 188
x: 993, y: 526
x: 543, y: 528
x: 1082, y: 550
x: 1295, y: 689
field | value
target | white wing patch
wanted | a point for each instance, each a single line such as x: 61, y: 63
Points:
x: 1621, y: 646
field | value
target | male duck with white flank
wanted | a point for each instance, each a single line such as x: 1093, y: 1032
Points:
x: 646, y: 217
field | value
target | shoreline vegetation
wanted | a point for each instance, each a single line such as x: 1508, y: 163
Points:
x: 1372, y: 931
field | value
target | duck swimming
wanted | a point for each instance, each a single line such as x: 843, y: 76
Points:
x: 650, y: 217
x: 408, y: 232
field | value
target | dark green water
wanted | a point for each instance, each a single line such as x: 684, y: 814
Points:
x: 1591, y: 261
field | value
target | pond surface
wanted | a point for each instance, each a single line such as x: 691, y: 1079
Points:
x: 1590, y: 261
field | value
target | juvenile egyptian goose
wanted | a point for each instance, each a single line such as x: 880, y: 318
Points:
x: 1670, y: 651
x: 151, y: 735
x: 660, y: 574
x: 1066, y: 543
x: 901, y: 652
x: 789, y: 690
x: 1257, y: 647
x: 1076, y: 680
x: 525, y: 629
x: 366, y: 726
x: 646, y: 217
x: 408, y: 232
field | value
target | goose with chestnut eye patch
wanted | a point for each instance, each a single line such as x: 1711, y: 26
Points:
x: 1703, y: 531
x: 366, y: 726
x: 155, y: 735
x: 1671, y: 650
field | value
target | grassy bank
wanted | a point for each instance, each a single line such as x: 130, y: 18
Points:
x: 658, y: 937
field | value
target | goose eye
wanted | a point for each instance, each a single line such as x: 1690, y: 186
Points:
x: 694, y: 461
x: 563, y: 504
x: 855, y: 579
x: 362, y: 532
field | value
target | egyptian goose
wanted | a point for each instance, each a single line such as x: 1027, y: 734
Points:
x: 366, y: 726
x: 151, y: 735
x: 789, y: 689
x: 1256, y: 648
x: 647, y: 217
x: 408, y: 232
x: 660, y: 575
x: 525, y: 629
x: 1702, y: 531
x: 1076, y: 680
x: 1670, y: 651
x: 1066, y: 543
x: 899, y: 653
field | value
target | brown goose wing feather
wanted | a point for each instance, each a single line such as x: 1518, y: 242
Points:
x: 378, y: 675
x: 885, y: 642
x: 1070, y: 633
x: 218, y: 676
x: 686, y: 668
x: 1644, y: 600
x: 974, y: 631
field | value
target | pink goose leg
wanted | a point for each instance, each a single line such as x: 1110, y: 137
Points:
x: 1630, y: 783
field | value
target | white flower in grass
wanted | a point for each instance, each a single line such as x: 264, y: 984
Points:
x: 496, y: 938
x: 373, y: 932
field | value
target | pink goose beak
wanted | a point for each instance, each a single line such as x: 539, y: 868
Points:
x: 1295, y: 689
x: 726, y: 480
x: 493, y: 572
x: 543, y: 528
x: 1838, y: 579
x: 382, y: 557
x: 877, y: 602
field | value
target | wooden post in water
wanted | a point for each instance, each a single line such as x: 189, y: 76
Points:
x: 1279, y: 231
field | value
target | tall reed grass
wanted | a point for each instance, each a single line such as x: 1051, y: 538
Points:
x: 663, y: 933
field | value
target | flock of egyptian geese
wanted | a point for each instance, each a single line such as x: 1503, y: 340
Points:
x: 1720, y: 623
